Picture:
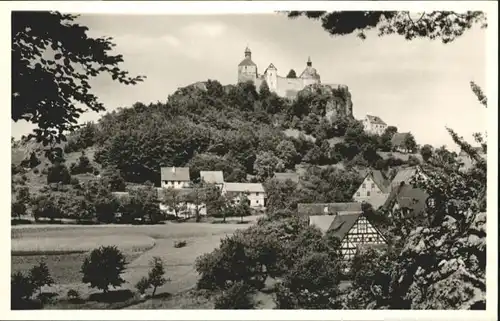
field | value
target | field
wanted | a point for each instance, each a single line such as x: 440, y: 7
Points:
x: 63, y: 248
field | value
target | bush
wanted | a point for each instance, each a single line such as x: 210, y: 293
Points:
x: 73, y: 295
x: 21, y: 290
x: 143, y: 285
x: 58, y: 173
x: 103, y: 268
x: 40, y: 276
x: 238, y: 296
x: 83, y: 166
x: 179, y: 244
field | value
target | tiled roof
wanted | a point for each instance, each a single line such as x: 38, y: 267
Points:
x: 247, y: 62
x: 402, y: 156
x: 322, y: 222
x: 342, y: 224
x: 380, y: 180
x: 120, y: 195
x: 398, y: 139
x: 175, y: 174
x: 244, y: 187
x: 308, y: 209
x: 377, y: 200
x: 375, y: 120
x: 404, y: 175
x: 294, y: 177
x: 408, y: 197
x: 212, y: 177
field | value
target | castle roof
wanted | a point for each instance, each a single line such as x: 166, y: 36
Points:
x: 271, y: 66
x: 309, y: 72
x: 375, y: 120
x: 247, y: 62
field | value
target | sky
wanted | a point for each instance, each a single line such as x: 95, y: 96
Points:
x: 419, y: 86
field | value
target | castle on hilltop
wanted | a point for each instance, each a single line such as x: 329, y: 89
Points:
x: 284, y: 87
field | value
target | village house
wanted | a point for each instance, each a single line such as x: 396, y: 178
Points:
x: 175, y: 177
x: 254, y: 191
x: 404, y: 176
x: 294, y: 177
x: 213, y: 177
x: 374, y: 189
x: 188, y: 208
x: 398, y: 142
x: 374, y: 125
x: 409, y: 200
x: 346, y: 222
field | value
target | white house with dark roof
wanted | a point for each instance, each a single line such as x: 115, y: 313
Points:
x: 254, y: 191
x: 213, y: 177
x: 175, y: 177
x: 374, y: 189
x: 374, y: 125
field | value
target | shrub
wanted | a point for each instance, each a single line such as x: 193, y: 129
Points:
x: 238, y: 296
x: 74, y: 181
x: 155, y: 275
x: 103, y: 268
x: 83, y: 165
x: 179, y: 244
x: 21, y: 290
x: 142, y: 285
x: 18, y: 209
x: 73, y: 295
x: 58, y: 173
x: 40, y: 276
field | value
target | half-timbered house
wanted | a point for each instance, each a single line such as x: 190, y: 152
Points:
x: 354, y: 231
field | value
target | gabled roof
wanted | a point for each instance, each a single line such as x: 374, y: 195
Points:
x: 244, y: 187
x: 408, y: 197
x: 271, y: 66
x: 322, y: 222
x: 380, y: 180
x: 294, y: 177
x: 377, y: 200
x: 308, y: 209
x: 247, y: 62
x: 175, y: 174
x: 342, y: 224
x: 375, y: 120
x: 212, y: 177
x: 404, y: 175
x: 398, y: 139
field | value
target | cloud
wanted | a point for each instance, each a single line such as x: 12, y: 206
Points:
x: 205, y: 29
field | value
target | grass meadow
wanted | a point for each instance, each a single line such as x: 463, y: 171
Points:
x: 64, y: 247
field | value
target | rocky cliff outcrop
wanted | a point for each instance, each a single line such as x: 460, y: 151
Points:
x: 338, y: 98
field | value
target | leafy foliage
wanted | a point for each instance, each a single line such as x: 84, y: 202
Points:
x: 103, y: 268
x: 40, y: 276
x: 156, y: 274
x: 443, y: 25
x: 236, y: 297
x: 54, y: 54
x: 21, y: 290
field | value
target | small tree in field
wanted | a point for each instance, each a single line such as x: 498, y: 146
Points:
x: 103, y: 268
x: 40, y: 276
x: 142, y: 285
x: 156, y: 274
x: 21, y: 288
x: 243, y: 207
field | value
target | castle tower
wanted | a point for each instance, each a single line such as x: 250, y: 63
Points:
x: 271, y: 76
x: 247, y: 69
x: 310, y: 76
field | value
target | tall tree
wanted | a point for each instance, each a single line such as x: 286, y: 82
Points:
x: 291, y: 74
x: 409, y: 143
x: 174, y: 201
x: 53, y: 60
x: 443, y: 25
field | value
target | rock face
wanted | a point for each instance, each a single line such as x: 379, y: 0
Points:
x: 338, y: 98
x: 447, y: 267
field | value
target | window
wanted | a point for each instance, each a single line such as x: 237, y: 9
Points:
x: 358, y: 194
x: 256, y: 194
x: 373, y: 185
x: 369, y: 239
x: 256, y: 201
x: 364, y: 185
x: 368, y: 193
